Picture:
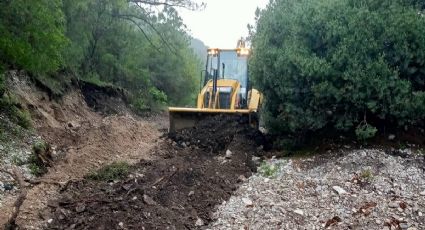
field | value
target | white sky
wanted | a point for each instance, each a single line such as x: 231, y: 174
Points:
x: 222, y: 22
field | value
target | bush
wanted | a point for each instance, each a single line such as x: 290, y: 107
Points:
x: 36, y: 164
x: 158, y: 96
x: 337, y: 63
x: 365, y: 131
x: 268, y: 169
x: 114, y: 171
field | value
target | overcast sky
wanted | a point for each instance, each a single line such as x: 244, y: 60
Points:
x: 222, y: 22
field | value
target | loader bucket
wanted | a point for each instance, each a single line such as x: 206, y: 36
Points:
x: 181, y: 118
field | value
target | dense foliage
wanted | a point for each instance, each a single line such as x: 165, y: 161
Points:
x: 32, y: 34
x: 340, y: 64
x: 140, y: 46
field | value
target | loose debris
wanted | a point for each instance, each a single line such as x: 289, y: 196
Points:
x: 332, y: 192
x: 179, y: 190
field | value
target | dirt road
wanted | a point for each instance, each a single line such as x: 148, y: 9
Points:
x: 179, y: 190
x: 175, y: 181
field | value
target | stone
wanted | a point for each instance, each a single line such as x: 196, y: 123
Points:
x: 80, y: 208
x: 391, y: 137
x: 393, y: 205
x: 121, y: 224
x: 248, y: 202
x: 228, y: 154
x: 199, y: 222
x: 339, y: 190
x: 7, y: 186
x: 50, y: 221
x: 241, y: 178
x: 299, y: 212
x: 148, y: 200
x: 422, y: 193
x: 404, y: 225
x: 191, y: 193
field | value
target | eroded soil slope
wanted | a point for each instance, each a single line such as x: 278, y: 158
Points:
x: 82, y: 141
x: 197, y: 170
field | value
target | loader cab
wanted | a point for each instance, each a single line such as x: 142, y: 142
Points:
x: 227, y: 66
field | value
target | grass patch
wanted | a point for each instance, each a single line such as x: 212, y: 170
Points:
x: 114, y: 171
x: 366, y: 175
x: 16, y: 160
x: 11, y: 107
x: 22, y: 117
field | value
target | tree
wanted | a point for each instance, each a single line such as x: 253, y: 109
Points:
x: 32, y: 34
x: 340, y: 64
x: 129, y: 44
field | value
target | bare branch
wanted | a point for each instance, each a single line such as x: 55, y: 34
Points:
x: 21, y: 197
x: 131, y: 18
x: 141, y: 30
x: 171, y: 3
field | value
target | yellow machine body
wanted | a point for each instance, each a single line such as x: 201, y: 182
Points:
x: 220, y: 95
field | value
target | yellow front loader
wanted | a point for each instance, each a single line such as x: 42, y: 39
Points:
x: 226, y: 90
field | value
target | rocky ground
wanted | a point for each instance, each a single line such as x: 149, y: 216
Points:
x: 356, y: 189
x: 14, y: 152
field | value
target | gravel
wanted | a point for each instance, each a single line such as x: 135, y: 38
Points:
x: 351, y: 189
x: 15, y: 151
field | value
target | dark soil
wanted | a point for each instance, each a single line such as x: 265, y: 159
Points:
x: 184, y: 185
x: 105, y: 99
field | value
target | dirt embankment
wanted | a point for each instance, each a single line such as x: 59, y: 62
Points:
x: 196, y: 171
x: 82, y: 141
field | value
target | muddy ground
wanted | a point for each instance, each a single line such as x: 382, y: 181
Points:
x: 179, y: 190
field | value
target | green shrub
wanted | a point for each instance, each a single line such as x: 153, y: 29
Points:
x: 114, y: 171
x: 140, y: 105
x: 366, y: 175
x: 36, y: 165
x: 158, y: 96
x: 268, y: 169
x: 365, y: 131
x: 326, y: 64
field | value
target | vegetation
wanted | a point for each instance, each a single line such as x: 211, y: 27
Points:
x: 366, y: 175
x: 32, y: 35
x: 114, y: 171
x: 268, y: 169
x: 127, y: 43
x: 342, y: 65
x: 9, y: 105
x: 35, y: 162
